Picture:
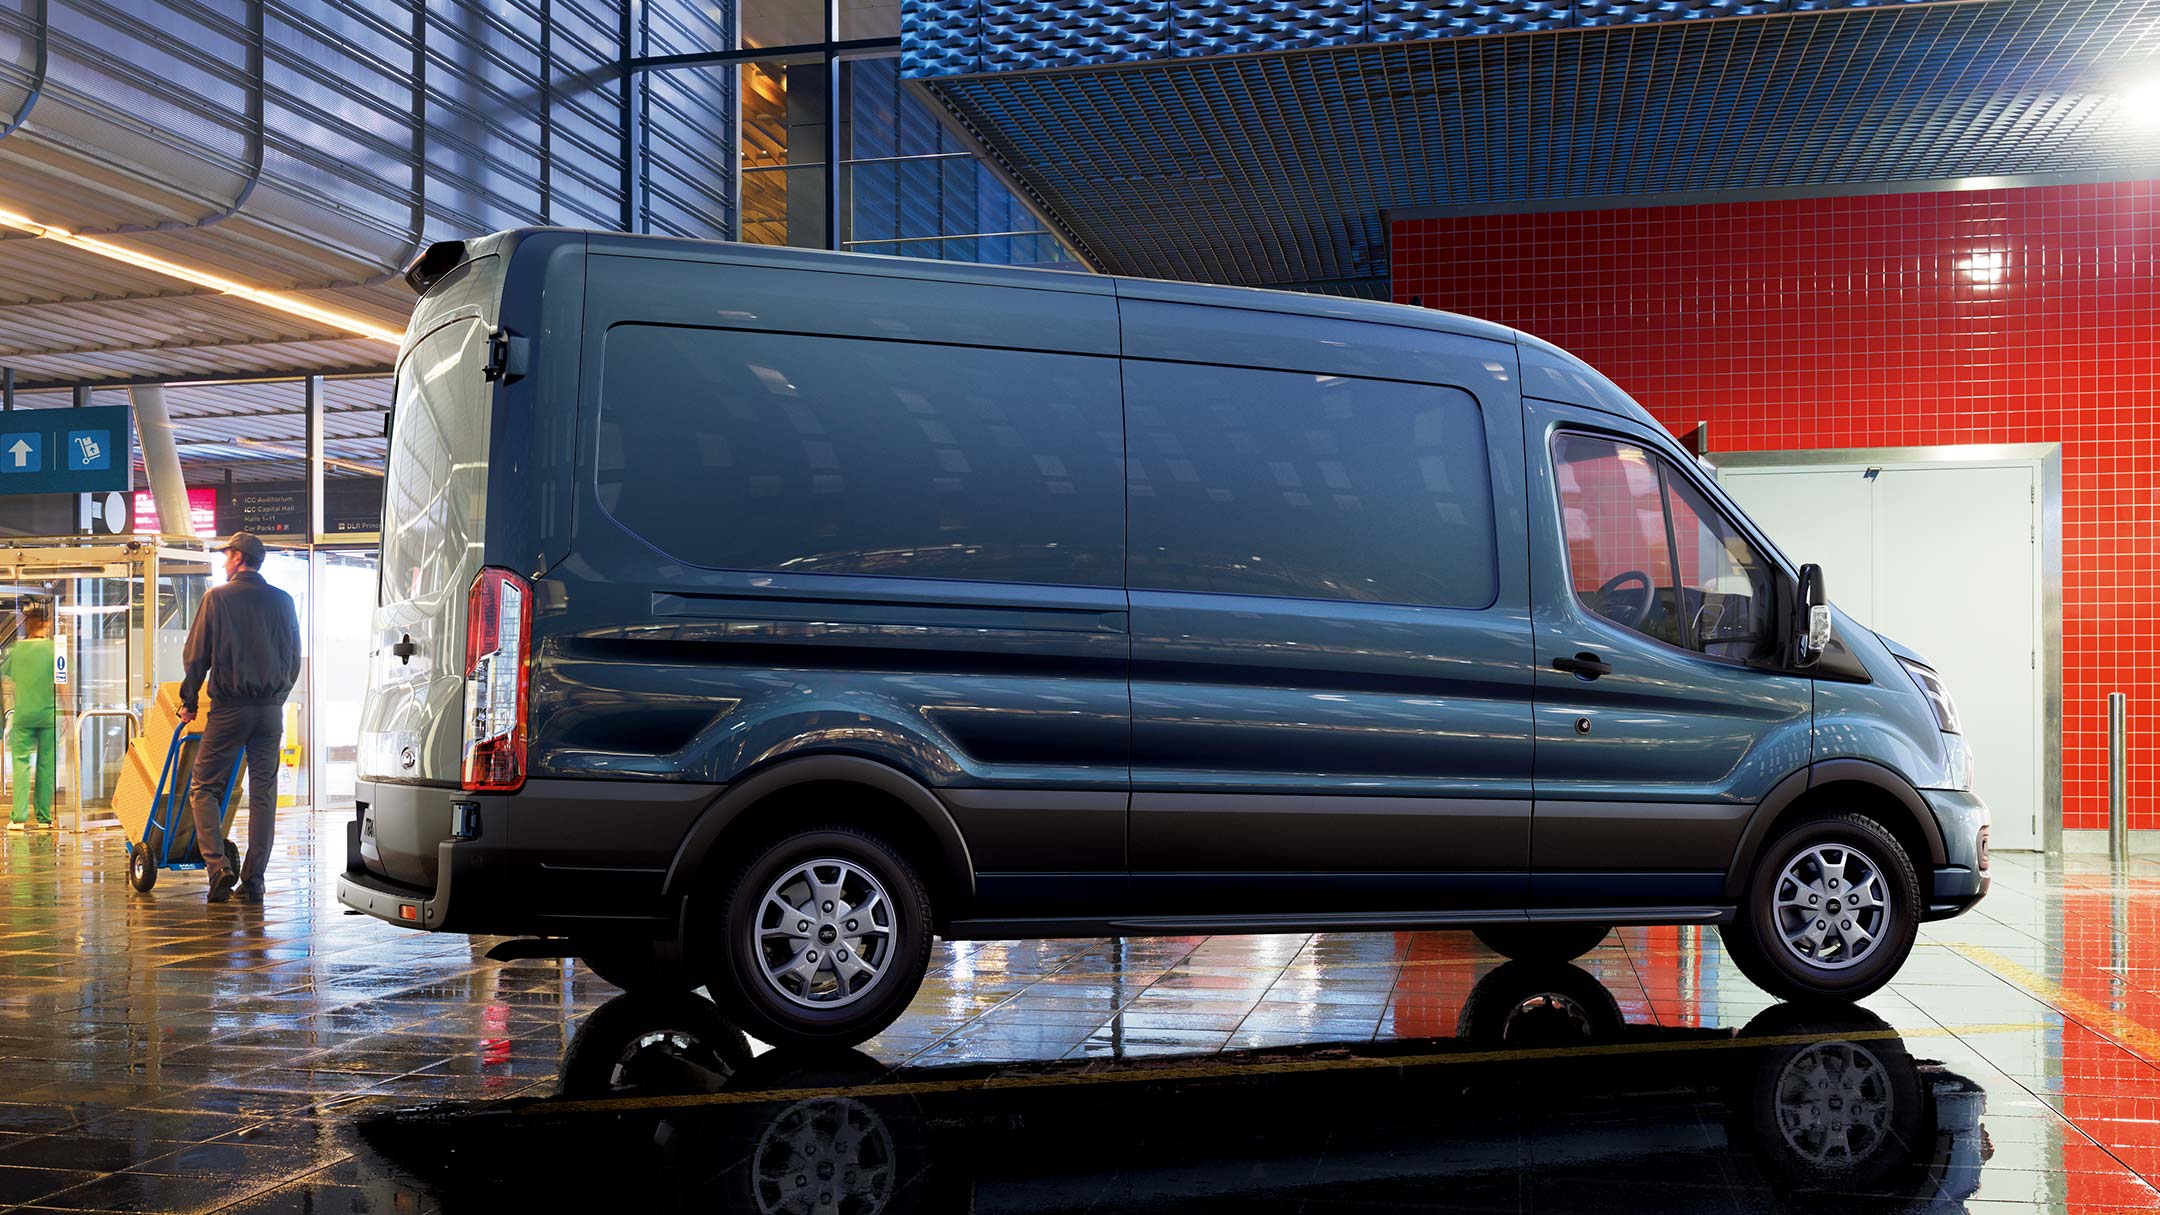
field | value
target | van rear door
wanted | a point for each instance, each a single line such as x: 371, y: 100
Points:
x: 434, y: 520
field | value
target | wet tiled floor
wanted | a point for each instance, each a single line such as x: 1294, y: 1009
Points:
x: 158, y: 1054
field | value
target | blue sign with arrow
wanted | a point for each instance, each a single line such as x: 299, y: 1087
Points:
x: 22, y: 451
x: 67, y: 451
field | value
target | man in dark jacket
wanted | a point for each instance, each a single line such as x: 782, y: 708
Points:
x: 246, y: 643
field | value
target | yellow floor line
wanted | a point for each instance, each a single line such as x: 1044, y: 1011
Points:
x: 2125, y: 1031
x: 1215, y: 1071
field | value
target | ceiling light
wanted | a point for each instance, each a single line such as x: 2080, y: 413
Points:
x: 2140, y: 104
x: 292, y: 305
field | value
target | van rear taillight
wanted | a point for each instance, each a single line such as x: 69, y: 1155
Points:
x: 498, y: 651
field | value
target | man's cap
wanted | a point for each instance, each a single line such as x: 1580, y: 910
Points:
x: 245, y: 544
x: 36, y: 610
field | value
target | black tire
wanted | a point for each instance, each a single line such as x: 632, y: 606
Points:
x: 1757, y: 944
x: 1832, y: 1115
x: 650, y: 1046
x: 1541, y: 942
x: 142, y: 861
x: 773, y: 1013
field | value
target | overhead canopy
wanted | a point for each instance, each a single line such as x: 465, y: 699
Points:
x: 1168, y: 145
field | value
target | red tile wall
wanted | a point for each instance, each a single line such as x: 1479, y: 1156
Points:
x: 1988, y: 316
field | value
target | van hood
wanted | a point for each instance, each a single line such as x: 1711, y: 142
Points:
x: 1903, y: 651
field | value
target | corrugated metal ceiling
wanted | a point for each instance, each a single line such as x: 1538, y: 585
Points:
x: 1277, y: 167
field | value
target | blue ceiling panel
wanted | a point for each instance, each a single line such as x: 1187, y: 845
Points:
x: 944, y: 37
x: 1030, y: 34
x: 1218, y: 27
x: 1401, y: 20
x: 1276, y: 167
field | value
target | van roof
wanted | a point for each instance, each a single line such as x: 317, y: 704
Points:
x: 1548, y: 371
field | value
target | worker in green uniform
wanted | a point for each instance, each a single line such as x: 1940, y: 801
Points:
x: 29, y: 673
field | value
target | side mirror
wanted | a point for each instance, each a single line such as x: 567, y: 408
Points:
x: 1814, y: 633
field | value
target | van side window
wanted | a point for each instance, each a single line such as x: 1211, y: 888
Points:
x: 1648, y: 552
x: 753, y: 451
x: 1725, y: 582
x: 1307, y: 486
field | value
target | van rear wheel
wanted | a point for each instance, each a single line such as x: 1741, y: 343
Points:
x: 1831, y: 911
x: 827, y: 938
x: 1541, y: 942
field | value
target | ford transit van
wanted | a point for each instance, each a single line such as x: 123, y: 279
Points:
x: 749, y: 616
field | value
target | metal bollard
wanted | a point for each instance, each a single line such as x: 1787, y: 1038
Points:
x: 2118, y: 777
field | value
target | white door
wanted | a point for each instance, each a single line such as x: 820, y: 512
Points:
x: 1944, y: 558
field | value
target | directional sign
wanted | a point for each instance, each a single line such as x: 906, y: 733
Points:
x: 22, y: 452
x: 67, y: 451
x: 89, y: 450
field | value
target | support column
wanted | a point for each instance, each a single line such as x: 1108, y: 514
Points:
x: 311, y: 701
x: 161, y: 460
x: 315, y: 459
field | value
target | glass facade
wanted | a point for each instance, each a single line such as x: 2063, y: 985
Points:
x: 885, y: 175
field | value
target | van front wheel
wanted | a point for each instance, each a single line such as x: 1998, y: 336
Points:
x: 1830, y: 913
x: 828, y: 936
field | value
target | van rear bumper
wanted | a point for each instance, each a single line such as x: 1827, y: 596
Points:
x: 556, y: 858
x: 457, y: 867
x: 384, y: 899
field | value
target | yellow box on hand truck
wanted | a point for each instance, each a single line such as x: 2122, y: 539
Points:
x: 152, y: 798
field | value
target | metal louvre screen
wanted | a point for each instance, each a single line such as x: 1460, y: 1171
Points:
x: 1254, y: 169
x: 368, y: 144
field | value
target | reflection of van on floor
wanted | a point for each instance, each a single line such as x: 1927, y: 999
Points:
x: 1803, y: 1110
x: 750, y: 615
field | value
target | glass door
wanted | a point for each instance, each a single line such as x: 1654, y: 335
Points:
x: 96, y: 638
x: 345, y: 590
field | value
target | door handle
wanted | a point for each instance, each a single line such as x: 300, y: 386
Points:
x: 1585, y: 666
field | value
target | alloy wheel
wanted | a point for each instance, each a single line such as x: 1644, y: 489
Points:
x: 825, y: 933
x: 1833, y: 906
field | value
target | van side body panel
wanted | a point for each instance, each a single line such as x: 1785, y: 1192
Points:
x: 532, y: 448
x: 1301, y: 753
x: 654, y: 667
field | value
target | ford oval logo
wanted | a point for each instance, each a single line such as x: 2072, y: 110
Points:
x: 408, y: 758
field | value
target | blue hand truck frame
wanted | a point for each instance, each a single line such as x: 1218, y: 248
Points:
x: 166, y: 807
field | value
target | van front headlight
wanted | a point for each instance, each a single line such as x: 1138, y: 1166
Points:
x: 1938, y: 696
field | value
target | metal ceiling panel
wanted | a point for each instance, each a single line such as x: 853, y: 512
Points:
x: 304, y: 146
x: 1276, y: 168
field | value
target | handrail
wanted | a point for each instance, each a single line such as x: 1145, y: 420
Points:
x: 128, y: 736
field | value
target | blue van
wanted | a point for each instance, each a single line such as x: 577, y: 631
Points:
x: 751, y: 615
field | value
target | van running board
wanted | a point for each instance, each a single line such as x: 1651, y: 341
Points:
x: 1023, y: 929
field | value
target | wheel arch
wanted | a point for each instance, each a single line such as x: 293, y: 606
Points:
x: 1869, y: 787
x: 907, y: 808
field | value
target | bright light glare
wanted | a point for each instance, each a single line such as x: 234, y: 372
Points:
x: 2140, y: 105
x: 1985, y: 267
x: 280, y: 301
